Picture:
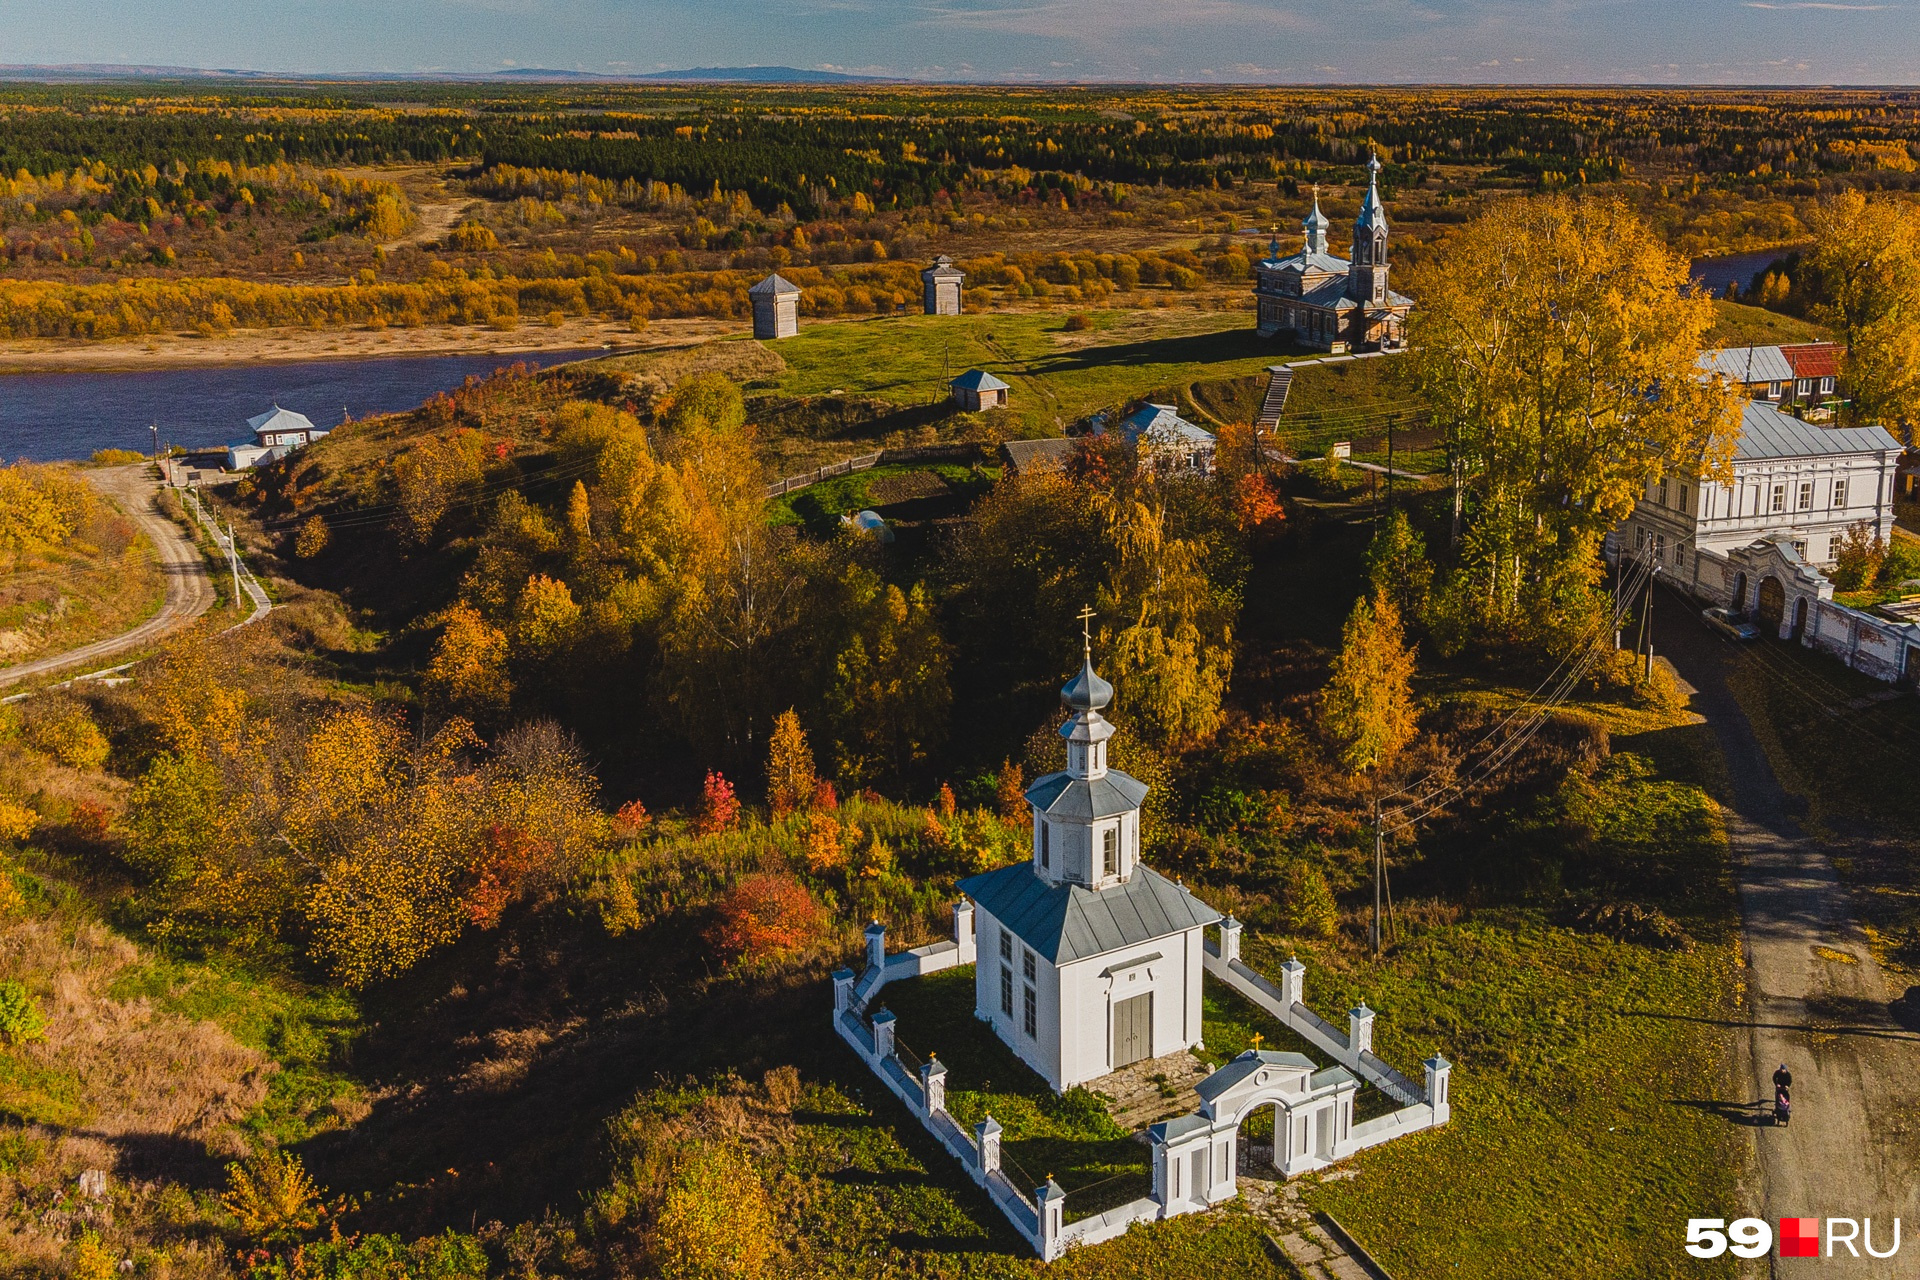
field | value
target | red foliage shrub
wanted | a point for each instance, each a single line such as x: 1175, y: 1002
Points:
x: 89, y: 821
x: 631, y: 819
x: 764, y: 915
x: 508, y: 856
x: 1256, y: 504
x: 824, y: 796
x: 719, y: 807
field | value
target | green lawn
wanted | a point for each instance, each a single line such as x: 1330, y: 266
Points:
x: 1069, y: 1138
x: 1739, y: 325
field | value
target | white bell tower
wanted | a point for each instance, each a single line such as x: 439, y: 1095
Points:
x: 1086, y: 819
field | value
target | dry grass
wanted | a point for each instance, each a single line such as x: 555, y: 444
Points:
x: 119, y: 1072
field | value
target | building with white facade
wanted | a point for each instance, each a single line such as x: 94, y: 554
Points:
x: 1163, y: 441
x: 276, y: 433
x: 941, y: 287
x: 1088, y: 959
x: 1793, y: 480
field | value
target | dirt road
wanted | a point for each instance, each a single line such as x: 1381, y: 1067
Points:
x: 189, y: 593
x: 1816, y: 1001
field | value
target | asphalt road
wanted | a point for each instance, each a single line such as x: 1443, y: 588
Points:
x: 1816, y: 1001
x: 189, y: 593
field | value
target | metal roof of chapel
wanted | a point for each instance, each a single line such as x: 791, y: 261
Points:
x: 1068, y: 922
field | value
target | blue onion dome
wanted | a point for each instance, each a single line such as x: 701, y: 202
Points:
x: 1087, y: 691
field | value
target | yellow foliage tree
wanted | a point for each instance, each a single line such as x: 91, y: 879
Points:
x: 312, y: 539
x: 790, y: 776
x: 1367, y: 706
x: 272, y: 1196
x: 716, y: 1222
x: 469, y: 666
x: 544, y: 617
x: 1555, y: 341
x: 1866, y: 258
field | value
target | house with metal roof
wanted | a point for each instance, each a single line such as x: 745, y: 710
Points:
x: 940, y: 287
x: 1331, y: 303
x: 776, y: 307
x: 1795, y: 483
x: 1088, y: 959
x: 276, y: 433
x: 977, y: 390
x: 1163, y: 440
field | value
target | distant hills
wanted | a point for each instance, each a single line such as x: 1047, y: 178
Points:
x: 84, y: 71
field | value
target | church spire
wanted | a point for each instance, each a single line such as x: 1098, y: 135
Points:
x: 1367, y: 273
x: 1315, y: 225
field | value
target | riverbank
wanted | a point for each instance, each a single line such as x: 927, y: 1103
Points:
x: 287, y: 346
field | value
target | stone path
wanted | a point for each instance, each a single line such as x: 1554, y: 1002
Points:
x: 1816, y: 1001
x: 1306, y: 1243
x: 1152, y: 1090
x: 189, y: 593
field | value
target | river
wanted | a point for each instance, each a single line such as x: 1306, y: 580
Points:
x: 50, y: 416
x: 1736, y: 268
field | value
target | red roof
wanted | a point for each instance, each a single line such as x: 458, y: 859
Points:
x: 1814, y: 359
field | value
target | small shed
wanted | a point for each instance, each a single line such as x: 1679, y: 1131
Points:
x: 976, y: 389
x: 940, y: 287
x: 776, y: 307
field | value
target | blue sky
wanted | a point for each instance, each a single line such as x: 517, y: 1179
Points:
x: 1288, y: 41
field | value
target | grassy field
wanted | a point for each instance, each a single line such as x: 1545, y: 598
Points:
x: 79, y: 594
x: 1740, y: 325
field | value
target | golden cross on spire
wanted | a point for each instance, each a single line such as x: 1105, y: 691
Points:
x: 1258, y: 1040
x: 1086, y: 616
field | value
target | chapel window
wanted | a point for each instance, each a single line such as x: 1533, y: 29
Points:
x: 1779, y: 497
x: 1839, y: 493
x: 1806, y: 495
x: 1046, y: 845
x: 1110, y: 852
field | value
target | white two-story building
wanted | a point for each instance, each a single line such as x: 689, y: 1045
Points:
x: 1797, y: 488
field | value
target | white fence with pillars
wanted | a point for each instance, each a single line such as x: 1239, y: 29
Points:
x: 1195, y: 1157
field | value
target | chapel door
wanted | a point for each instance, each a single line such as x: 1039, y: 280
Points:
x: 1132, y: 1030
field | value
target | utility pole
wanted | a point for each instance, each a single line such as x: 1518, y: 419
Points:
x: 1649, y: 619
x: 1389, y: 467
x: 233, y: 558
x: 1379, y: 857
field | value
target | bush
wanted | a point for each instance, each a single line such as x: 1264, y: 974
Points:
x: 1308, y: 910
x: 763, y: 916
x: 21, y: 1021
x: 312, y: 540
x: 271, y: 1196
x: 67, y: 733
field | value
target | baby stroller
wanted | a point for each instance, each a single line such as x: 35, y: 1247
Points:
x: 1782, y: 1106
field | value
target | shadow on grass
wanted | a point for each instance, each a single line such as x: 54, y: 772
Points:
x: 1750, y: 1115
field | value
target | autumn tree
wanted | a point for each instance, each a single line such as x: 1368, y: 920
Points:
x: 719, y: 807
x: 1170, y: 638
x: 790, y: 776
x: 1367, y: 706
x: 312, y: 539
x: 468, y: 671
x: 715, y: 1222
x: 1866, y: 262
x: 888, y: 697
x: 1555, y: 341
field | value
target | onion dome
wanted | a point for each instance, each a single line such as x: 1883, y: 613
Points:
x: 1087, y: 691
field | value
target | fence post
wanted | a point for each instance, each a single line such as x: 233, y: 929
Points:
x: 963, y: 930
x: 1050, y: 1200
x: 842, y: 990
x: 986, y: 1139
x: 1439, y: 1074
x: 933, y: 1085
x: 883, y: 1034
x: 1360, y: 1029
x: 1293, y: 983
x: 1229, y: 940
x: 876, y: 945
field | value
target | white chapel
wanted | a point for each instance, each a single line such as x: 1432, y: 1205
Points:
x: 1088, y: 959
